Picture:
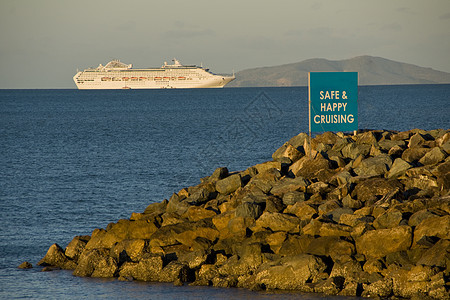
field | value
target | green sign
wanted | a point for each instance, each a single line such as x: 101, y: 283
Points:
x: 333, y: 101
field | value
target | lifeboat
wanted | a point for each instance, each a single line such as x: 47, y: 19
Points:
x: 142, y: 78
x: 106, y: 79
x: 134, y: 78
x: 158, y: 78
x: 181, y: 78
x: 125, y: 78
x: 166, y: 78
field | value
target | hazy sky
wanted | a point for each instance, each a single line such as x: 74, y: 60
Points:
x: 43, y: 42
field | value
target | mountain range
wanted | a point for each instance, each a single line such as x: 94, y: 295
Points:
x: 371, y: 71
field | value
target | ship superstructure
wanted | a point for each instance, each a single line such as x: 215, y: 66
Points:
x: 117, y: 75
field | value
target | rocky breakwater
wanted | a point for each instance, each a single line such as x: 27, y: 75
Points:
x: 365, y: 214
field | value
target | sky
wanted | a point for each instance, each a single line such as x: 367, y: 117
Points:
x: 44, y: 42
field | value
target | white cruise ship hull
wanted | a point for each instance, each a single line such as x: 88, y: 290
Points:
x: 116, y: 75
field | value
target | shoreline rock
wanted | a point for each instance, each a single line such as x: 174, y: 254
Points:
x: 363, y: 215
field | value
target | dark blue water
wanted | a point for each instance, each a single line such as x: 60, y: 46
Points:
x: 72, y: 161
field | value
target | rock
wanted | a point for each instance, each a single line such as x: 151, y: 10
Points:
x: 55, y: 257
x: 25, y: 265
x: 433, y: 226
x: 416, y: 140
x: 294, y: 245
x: 277, y: 222
x: 302, y: 210
x: 229, y: 184
x: 413, y: 155
x: 249, y: 209
x: 291, y: 273
x: 96, y: 263
x: 379, y: 243
x: 196, y: 213
x: 381, y: 288
x: 434, y: 156
x: 148, y: 268
x: 76, y: 247
x: 332, y: 246
x: 419, y: 216
x: 311, y: 168
x: 218, y: 174
x: 374, y: 166
x: 293, y: 197
x: 370, y: 188
x: 399, y: 168
x: 286, y: 185
x: 287, y: 151
x: 388, y: 219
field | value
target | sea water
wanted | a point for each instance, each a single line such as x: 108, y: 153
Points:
x: 72, y: 161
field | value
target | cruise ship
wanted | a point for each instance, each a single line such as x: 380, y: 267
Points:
x: 118, y: 75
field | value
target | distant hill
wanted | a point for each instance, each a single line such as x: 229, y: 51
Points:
x: 371, y: 70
